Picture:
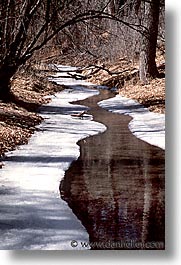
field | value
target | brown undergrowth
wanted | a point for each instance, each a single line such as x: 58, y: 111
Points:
x: 124, y: 76
x: 18, y: 118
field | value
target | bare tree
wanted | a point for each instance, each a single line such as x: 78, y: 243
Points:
x: 27, y: 26
x: 150, y: 22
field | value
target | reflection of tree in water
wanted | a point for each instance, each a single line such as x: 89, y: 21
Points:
x: 153, y: 226
x: 116, y: 188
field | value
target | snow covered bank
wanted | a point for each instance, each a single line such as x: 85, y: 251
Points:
x: 146, y: 125
x: 63, y: 77
x: 32, y: 215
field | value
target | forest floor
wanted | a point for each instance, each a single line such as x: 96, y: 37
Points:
x: 18, y: 119
x: 126, y: 81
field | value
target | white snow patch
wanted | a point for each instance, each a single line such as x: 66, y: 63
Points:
x: 32, y: 214
x: 63, y: 78
x: 145, y: 125
x: 63, y: 68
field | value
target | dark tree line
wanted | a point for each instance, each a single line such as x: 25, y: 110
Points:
x: 27, y: 26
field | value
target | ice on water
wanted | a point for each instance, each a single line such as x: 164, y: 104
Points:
x: 146, y: 125
x: 33, y: 216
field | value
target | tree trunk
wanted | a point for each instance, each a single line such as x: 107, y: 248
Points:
x: 147, y: 67
x: 5, y: 82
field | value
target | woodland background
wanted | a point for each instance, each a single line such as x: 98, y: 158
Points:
x: 118, y: 43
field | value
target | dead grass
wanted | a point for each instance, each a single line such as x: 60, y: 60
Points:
x: 18, y: 119
x: 128, y: 84
x: 152, y: 95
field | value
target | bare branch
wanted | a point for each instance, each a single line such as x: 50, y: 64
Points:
x: 98, y: 68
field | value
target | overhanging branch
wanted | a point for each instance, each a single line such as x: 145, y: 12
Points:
x: 91, y: 14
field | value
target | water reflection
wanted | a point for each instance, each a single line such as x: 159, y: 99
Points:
x: 116, y: 187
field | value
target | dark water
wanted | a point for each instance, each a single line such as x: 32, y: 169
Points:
x: 116, y: 187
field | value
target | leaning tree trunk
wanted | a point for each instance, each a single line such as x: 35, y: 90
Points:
x: 6, y: 73
x: 147, y: 67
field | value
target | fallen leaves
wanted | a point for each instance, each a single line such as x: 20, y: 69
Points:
x: 10, y: 136
x: 151, y: 95
x: 18, y: 119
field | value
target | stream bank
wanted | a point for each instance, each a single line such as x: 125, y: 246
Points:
x: 32, y: 214
x: 117, y: 179
x: 116, y: 187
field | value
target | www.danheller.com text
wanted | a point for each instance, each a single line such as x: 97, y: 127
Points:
x: 118, y: 244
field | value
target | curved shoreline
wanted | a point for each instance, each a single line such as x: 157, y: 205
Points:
x: 30, y: 201
x: 145, y: 125
x: 32, y: 214
x: 116, y: 187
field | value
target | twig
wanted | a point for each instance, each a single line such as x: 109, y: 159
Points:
x: 79, y: 115
x: 105, y: 69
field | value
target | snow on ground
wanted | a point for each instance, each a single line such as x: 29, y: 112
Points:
x: 145, y: 125
x: 32, y: 214
x: 63, y: 77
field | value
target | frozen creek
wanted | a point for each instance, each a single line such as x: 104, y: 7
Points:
x: 32, y: 214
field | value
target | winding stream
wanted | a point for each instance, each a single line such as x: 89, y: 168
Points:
x: 32, y: 214
x: 116, y: 187
x: 101, y: 193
